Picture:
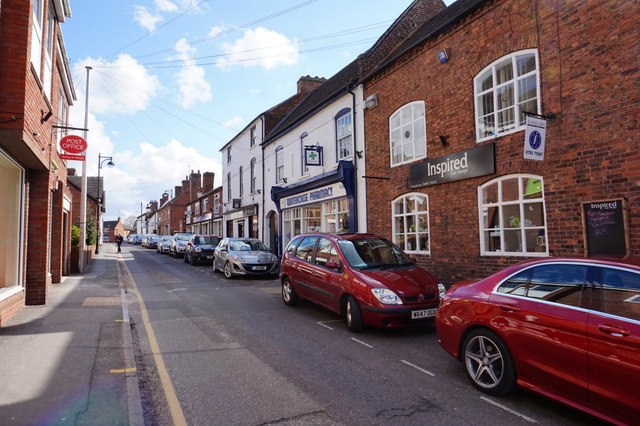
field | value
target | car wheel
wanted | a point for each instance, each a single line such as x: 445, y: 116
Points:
x: 289, y: 295
x: 228, y: 272
x: 193, y: 261
x: 488, y: 363
x: 354, y: 316
x: 185, y: 259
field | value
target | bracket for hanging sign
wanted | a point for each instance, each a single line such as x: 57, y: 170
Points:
x: 550, y: 116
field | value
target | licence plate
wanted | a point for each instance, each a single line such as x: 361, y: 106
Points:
x: 210, y: 257
x: 424, y: 313
x: 258, y: 268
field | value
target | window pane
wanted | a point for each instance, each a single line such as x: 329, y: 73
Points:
x: 423, y: 223
x: 513, y: 241
x: 492, y: 241
x: 399, y: 223
x: 410, y: 204
x: 405, y: 115
x: 419, y: 138
x: 505, y: 96
x: 506, y: 120
x: 511, y: 216
x: 510, y: 190
x: 421, y: 204
x: 491, y: 217
x: 305, y: 249
x: 394, y: 121
x: 532, y: 189
x: 399, y: 240
x: 485, y: 81
x: 490, y: 193
x: 526, y: 63
x: 487, y: 126
x: 504, y: 71
x: 485, y: 104
x: 411, y: 223
x: 516, y: 285
x: 621, y: 293
x: 533, y: 215
x: 558, y: 283
x: 418, y: 111
x: 407, y: 151
x: 398, y: 206
x: 527, y: 89
x: 536, y: 241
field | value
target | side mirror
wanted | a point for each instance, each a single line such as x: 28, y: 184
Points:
x: 332, y: 265
x: 414, y: 260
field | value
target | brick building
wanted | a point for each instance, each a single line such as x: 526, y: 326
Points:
x: 171, y: 215
x: 35, y: 93
x: 447, y: 140
x: 204, y: 213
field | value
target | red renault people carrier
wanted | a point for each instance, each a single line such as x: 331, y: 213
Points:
x: 362, y: 276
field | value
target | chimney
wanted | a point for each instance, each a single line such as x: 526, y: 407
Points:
x: 154, y: 206
x: 207, y: 181
x: 185, y: 185
x: 164, y: 199
x: 177, y: 191
x: 195, y: 184
x: 308, y: 83
x: 71, y: 172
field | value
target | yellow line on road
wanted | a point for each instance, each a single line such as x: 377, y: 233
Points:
x: 123, y: 370
x: 170, y: 393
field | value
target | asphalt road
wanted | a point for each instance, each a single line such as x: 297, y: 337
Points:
x: 215, y: 351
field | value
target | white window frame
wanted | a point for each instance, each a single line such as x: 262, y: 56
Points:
x: 36, y: 35
x: 228, y: 186
x: 205, y: 205
x: 344, y: 134
x: 241, y: 181
x: 253, y: 175
x: 500, y: 204
x: 228, y: 155
x: 252, y: 137
x: 405, y: 216
x: 400, y: 136
x: 517, y: 81
x: 279, y: 164
x: 304, y: 169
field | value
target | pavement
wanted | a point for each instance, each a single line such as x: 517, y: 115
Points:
x: 71, y: 361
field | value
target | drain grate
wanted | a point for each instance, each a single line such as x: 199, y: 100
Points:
x: 102, y: 301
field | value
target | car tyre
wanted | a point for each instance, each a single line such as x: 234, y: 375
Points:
x: 193, y: 260
x: 488, y: 363
x: 185, y: 259
x: 228, y: 272
x: 289, y: 295
x: 354, y: 315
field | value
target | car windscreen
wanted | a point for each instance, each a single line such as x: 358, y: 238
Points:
x: 366, y: 253
x: 207, y: 240
x: 183, y: 237
x: 247, y: 245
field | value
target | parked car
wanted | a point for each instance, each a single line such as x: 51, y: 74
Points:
x: 244, y: 256
x: 178, y: 244
x: 566, y: 328
x: 151, y: 241
x: 138, y: 239
x: 200, y: 249
x: 131, y: 238
x: 163, y: 244
x: 362, y: 276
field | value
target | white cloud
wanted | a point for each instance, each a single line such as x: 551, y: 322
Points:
x: 165, y: 6
x: 260, y: 47
x: 146, y: 19
x: 119, y: 87
x: 194, y: 86
x: 234, y: 123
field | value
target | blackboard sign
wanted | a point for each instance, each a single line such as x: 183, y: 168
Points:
x: 605, y: 227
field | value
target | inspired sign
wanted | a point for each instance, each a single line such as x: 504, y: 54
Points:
x: 467, y: 164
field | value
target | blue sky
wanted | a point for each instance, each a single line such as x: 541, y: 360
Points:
x: 172, y: 81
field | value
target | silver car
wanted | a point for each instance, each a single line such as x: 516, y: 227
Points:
x: 178, y: 244
x: 244, y: 256
x: 163, y: 245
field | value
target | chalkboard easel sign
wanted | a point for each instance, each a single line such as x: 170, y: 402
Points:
x: 605, y: 227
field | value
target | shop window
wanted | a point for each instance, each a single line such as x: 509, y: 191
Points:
x: 411, y: 223
x: 336, y: 216
x: 503, y: 90
x: 312, y: 220
x: 344, y: 134
x: 11, y: 202
x: 407, y: 134
x: 279, y: 164
x: 512, y: 216
x: 291, y: 224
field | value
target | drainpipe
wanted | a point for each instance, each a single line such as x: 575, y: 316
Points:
x: 355, y: 156
x: 261, y: 215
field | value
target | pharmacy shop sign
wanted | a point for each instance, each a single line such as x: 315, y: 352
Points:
x: 474, y: 162
x: 534, y: 138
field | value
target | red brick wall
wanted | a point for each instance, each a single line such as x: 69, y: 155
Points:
x: 589, y: 77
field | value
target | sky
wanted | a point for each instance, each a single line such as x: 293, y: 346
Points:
x: 172, y: 81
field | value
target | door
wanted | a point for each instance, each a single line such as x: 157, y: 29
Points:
x: 326, y: 281
x: 544, y: 325
x: 614, y: 344
x: 301, y: 269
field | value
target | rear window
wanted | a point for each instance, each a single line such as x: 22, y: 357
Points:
x: 207, y: 240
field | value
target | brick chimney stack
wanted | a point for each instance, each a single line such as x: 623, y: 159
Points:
x: 164, y: 199
x: 308, y: 83
x: 177, y: 191
x: 207, y: 181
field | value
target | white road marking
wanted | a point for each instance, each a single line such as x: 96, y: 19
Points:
x: 417, y: 368
x: 362, y: 343
x: 324, y: 323
x: 507, y: 409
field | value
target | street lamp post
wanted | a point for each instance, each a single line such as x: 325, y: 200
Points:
x: 101, y: 160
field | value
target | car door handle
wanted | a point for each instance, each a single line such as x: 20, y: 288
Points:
x: 613, y: 330
x: 509, y: 308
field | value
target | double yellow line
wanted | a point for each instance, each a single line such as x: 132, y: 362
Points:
x: 172, y: 400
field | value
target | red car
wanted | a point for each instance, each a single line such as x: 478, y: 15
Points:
x: 364, y: 277
x: 566, y: 328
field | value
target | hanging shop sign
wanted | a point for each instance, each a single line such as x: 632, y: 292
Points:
x: 474, y: 162
x: 534, y: 138
x: 314, y: 196
x: 73, y: 145
x: 312, y: 155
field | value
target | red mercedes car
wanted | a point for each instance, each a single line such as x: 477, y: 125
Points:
x: 362, y: 276
x: 566, y: 328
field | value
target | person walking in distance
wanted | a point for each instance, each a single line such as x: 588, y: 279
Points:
x: 119, y: 241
